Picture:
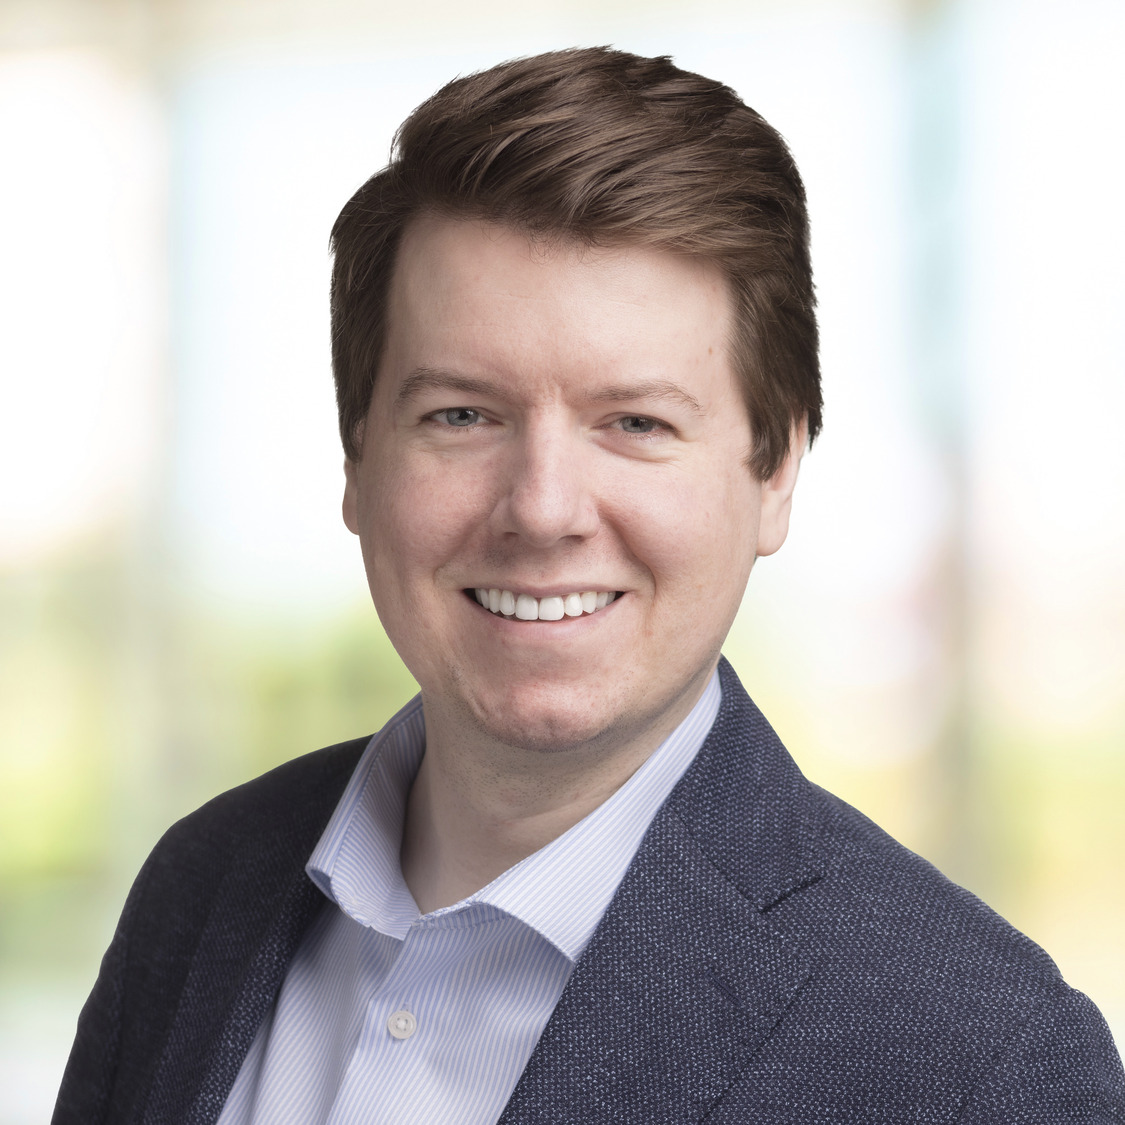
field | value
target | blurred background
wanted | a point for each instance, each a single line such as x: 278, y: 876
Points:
x: 942, y: 640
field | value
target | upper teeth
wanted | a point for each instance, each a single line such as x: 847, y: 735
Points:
x: 555, y: 608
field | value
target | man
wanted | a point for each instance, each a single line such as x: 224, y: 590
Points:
x: 579, y: 879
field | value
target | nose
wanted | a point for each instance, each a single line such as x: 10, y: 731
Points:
x: 547, y: 493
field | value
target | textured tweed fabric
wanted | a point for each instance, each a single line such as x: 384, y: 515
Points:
x: 771, y: 956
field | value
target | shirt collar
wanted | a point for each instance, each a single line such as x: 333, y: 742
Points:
x: 561, y: 891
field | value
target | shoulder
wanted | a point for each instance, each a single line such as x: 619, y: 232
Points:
x: 222, y: 884
x: 835, y: 879
x: 915, y: 977
x: 893, y: 895
x: 241, y: 848
x: 281, y: 810
x: 229, y: 864
x: 917, y: 992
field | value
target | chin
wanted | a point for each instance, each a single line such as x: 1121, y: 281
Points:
x: 541, y: 721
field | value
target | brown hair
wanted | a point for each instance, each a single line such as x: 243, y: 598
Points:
x: 607, y: 148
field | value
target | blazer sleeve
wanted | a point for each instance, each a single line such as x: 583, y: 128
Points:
x: 88, y: 1080
x: 1059, y: 1068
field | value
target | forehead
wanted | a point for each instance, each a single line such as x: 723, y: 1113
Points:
x: 488, y: 299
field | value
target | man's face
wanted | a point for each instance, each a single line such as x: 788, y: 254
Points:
x: 550, y: 421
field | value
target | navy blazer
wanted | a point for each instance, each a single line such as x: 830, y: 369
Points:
x: 770, y: 956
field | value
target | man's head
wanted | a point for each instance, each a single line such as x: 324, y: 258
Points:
x: 602, y: 148
x: 550, y: 315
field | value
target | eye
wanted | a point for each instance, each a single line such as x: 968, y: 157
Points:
x: 638, y: 424
x: 461, y: 416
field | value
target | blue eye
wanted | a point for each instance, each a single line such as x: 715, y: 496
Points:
x: 459, y: 416
x: 636, y: 424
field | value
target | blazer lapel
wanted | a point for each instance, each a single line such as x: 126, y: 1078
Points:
x: 230, y: 989
x: 679, y: 987
x: 687, y: 975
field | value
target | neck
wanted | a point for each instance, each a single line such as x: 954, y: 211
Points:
x: 478, y: 807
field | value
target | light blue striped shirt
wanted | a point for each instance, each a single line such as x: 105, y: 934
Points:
x: 388, y: 1015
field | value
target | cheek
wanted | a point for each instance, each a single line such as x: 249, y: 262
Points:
x: 693, y: 524
x: 419, y: 514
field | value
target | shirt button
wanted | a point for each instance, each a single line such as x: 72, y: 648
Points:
x: 402, y: 1024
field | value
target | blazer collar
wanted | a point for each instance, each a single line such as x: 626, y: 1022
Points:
x: 747, y: 804
x: 687, y: 974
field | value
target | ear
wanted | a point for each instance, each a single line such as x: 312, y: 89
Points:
x: 351, y: 499
x: 351, y: 482
x: 777, y: 494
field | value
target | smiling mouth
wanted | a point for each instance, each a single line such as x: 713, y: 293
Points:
x: 523, y: 607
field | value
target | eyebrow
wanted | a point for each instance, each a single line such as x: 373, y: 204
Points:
x: 424, y: 379
x: 434, y: 379
x: 649, y: 389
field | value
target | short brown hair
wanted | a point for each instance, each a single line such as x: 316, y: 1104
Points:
x: 607, y: 148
